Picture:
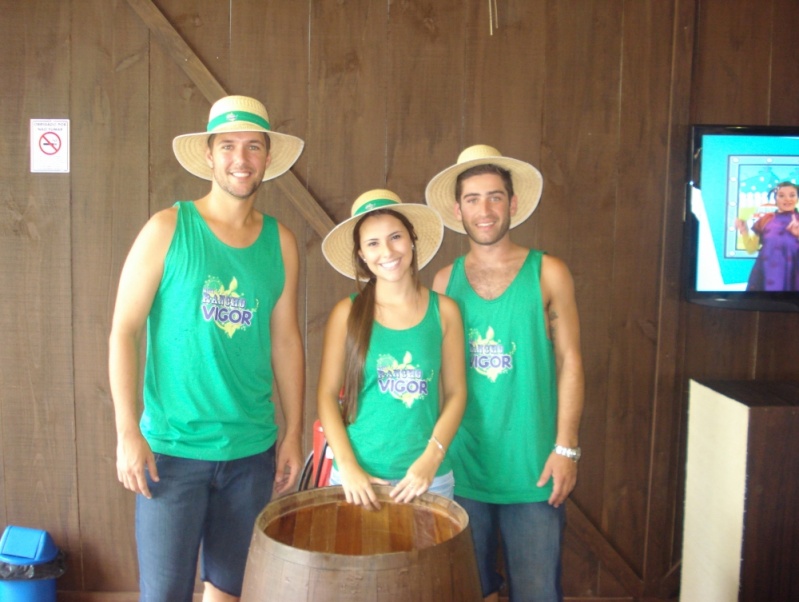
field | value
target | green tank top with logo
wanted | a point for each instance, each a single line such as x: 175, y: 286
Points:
x: 398, y: 405
x: 509, y: 427
x: 208, y: 373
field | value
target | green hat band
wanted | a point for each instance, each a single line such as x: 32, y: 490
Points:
x: 238, y: 116
x: 375, y: 204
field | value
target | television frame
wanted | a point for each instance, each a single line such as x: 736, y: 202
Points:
x: 720, y: 247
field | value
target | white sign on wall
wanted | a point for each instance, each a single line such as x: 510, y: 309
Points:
x: 49, y: 145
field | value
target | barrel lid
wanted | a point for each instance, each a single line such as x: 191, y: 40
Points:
x: 22, y: 545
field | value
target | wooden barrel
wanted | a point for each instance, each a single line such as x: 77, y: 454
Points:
x: 313, y: 546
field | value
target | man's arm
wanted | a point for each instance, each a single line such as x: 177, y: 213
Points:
x: 442, y: 279
x: 557, y: 287
x: 288, y: 362
x: 138, y: 284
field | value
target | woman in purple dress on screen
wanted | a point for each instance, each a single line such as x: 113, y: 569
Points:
x: 777, y: 234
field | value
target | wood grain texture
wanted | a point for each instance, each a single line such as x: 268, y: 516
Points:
x: 580, y: 162
x: 38, y: 479
x: 109, y: 96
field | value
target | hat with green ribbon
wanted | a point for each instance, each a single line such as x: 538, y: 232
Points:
x: 527, y: 184
x: 337, y: 245
x: 237, y: 114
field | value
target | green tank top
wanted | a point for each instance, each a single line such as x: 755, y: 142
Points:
x: 509, y: 426
x: 208, y: 372
x: 398, y: 405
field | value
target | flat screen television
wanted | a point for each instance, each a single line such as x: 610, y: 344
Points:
x: 734, y: 172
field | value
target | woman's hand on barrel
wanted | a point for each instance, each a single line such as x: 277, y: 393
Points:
x: 357, y: 484
x: 417, y: 480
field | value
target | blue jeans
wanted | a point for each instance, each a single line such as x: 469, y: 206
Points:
x: 532, y: 535
x: 199, y: 502
x: 443, y: 485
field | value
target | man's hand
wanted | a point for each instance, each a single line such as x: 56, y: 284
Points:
x: 563, y: 472
x: 133, y: 457
x: 288, y: 465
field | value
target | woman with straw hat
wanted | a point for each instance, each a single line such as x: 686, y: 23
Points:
x: 385, y: 351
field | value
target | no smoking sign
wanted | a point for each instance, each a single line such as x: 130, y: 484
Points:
x: 49, y: 145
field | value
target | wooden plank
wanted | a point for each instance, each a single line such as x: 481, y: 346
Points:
x: 109, y: 96
x: 37, y: 426
x: 783, y: 109
x: 424, y: 120
x: 645, y: 106
x: 730, y: 72
x: 583, y: 77
x: 347, y: 103
x: 177, y: 48
x: 592, y: 536
x: 665, y: 499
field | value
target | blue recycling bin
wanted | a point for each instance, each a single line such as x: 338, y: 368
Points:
x: 29, y: 565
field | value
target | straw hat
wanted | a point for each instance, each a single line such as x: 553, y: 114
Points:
x: 337, y: 245
x: 237, y: 114
x: 527, y: 184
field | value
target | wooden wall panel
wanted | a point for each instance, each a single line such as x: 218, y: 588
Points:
x: 425, y: 98
x: 663, y: 546
x: 348, y: 97
x: 783, y: 109
x: 644, y: 119
x: 579, y: 157
x: 109, y: 92
x: 37, y: 407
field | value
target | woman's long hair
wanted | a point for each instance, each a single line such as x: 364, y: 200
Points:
x: 362, y: 314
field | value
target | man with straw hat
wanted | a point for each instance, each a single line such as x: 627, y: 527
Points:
x: 214, y: 282
x: 515, y: 454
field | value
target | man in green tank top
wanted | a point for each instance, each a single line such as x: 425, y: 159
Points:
x: 212, y: 286
x: 515, y: 455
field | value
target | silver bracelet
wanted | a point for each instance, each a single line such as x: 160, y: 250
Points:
x: 438, y: 444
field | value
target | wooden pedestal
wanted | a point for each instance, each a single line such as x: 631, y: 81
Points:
x: 741, y: 533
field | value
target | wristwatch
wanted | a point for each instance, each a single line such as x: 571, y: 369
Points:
x: 572, y: 453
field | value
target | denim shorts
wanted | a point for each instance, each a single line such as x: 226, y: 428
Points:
x: 199, y: 502
x: 531, y: 536
x: 443, y: 485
